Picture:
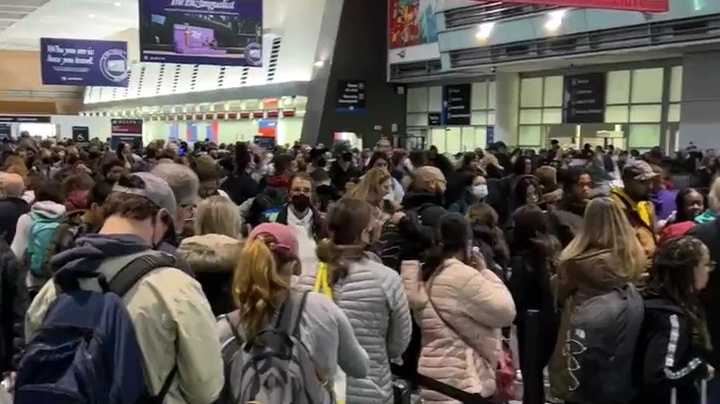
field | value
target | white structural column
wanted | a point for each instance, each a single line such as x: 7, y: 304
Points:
x: 506, y: 110
x: 700, y: 120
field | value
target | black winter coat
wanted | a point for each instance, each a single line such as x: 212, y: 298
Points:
x: 665, y: 357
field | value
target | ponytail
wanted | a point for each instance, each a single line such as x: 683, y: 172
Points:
x: 338, y: 258
x: 257, y: 286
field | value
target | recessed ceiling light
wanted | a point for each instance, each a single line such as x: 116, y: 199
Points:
x: 319, y: 63
x: 91, y: 15
x: 117, y: 4
x: 484, y: 31
x: 555, y: 20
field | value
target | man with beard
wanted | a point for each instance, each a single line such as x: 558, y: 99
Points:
x: 566, y: 219
x: 634, y: 198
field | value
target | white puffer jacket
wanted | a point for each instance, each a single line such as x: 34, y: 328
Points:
x: 373, y: 298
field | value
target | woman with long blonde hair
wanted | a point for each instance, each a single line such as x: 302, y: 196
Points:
x: 604, y: 256
x: 261, y: 289
x: 373, y: 188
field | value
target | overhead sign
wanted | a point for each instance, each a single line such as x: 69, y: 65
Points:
x: 126, y: 126
x: 80, y: 134
x: 456, y: 104
x: 351, y: 96
x: 434, y: 119
x: 24, y: 119
x: 585, y: 98
x: 76, y: 62
x: 211, y: 32
x: 633, y: 5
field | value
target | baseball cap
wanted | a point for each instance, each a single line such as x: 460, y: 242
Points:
x: 284, y: 236
x: 182, y: 180
x: 156, y: 190
x: 639, y: 170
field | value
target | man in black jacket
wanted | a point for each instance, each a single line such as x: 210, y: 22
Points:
x: 12, y: 206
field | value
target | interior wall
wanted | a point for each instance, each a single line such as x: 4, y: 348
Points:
x: 701, y: 100
x: 288, y: 130
x: 359, y: 53
x: 22, y: 91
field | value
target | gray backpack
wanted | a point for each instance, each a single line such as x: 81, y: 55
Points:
x: 600, y: 346
x: 274, y: 367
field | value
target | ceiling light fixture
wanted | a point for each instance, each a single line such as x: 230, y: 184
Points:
x: 319, y: 63
x: 91, y: 15
x: 555, y: 19
x: 117, y: 4
x: 484, y: 31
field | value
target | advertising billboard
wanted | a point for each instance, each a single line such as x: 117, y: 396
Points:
x: 632, y: 5
x: 210, y: 32
x: 412, y: 22
x: 77, y: 62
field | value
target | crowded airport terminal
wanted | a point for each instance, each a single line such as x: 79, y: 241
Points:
x: 359, y: 201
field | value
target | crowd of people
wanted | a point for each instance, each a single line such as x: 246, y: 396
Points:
x: 233, y: 273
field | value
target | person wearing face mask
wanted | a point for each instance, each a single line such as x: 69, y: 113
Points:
x: 343, y: 169
x: 173, y: 322
x: 369, y: 293
x: 299, y: 212
x: 476, y: 191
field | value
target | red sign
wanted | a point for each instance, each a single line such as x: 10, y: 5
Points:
x: 634, y: 5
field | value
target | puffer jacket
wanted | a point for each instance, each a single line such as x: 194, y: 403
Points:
x: 464, y: 352
x: 212, y: 258
x: 372, y: 297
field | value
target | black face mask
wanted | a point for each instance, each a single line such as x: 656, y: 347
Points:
x: 300, y: 202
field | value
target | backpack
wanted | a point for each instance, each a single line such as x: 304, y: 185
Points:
x: 600, y: 347
x: 42, y: 234
x: 274, y: 366
x: 86, y: 350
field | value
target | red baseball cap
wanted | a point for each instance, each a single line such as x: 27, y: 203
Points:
x: 284, y: 236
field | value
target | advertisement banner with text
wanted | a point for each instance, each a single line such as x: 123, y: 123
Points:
x: 76, y: 62
x: 633, y: 5
x: 210, y: 32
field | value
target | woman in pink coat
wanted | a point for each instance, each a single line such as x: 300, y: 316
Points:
x: 460, y: 306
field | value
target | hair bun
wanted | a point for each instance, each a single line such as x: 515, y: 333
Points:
x: 326, y: 250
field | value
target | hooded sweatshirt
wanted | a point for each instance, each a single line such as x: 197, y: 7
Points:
x: 48, y: 209
x: 171, y: 316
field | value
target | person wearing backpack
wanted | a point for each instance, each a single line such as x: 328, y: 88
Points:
x: 461, y: 307
x: 282, y: 345
x: 370, y: 294
x: 595, y: 276
x: 162, y: 331
x: 35, y: 232
x: 674, y: 345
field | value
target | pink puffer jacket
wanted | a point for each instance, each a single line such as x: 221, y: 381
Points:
x: 476, y: 304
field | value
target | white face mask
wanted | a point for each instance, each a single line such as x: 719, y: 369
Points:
x: 480, y: 191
